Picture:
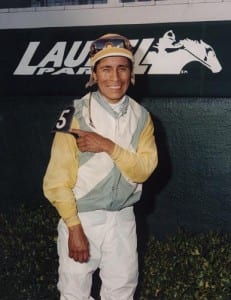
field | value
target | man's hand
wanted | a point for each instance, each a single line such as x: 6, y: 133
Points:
x: 78, y: 244
x: 93, y: 142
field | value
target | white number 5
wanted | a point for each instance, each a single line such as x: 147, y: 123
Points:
x: 62, y: 121
x: 65, y: 119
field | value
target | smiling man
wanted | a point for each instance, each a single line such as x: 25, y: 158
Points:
x: 94, y: 180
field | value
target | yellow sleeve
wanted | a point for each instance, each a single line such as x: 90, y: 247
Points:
x: 139, y: 165
x: 61, y: 175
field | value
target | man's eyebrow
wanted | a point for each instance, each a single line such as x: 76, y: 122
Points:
x: 109, y: 66
x: 124, y: 65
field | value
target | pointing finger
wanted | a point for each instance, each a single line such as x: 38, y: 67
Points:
x: 81, y: 132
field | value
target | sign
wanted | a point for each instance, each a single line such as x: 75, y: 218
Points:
x: 180, y: 59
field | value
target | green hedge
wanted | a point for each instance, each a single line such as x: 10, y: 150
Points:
x: 28, y: 259
x: 184, y: 266
x: 188, y: 266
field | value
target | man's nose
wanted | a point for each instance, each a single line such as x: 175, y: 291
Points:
x: 115, y: 74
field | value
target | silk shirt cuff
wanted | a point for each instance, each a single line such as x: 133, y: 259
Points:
x: 116, y: 152
x: 72, y: 221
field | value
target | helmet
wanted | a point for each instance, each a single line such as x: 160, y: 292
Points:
x: 109, y: 45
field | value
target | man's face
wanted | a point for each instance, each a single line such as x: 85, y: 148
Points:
x: 113, y: 75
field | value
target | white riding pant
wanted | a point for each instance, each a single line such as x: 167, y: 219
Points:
x: 113, y: 249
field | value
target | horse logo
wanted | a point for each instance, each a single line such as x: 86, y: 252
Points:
x: 171, y: 57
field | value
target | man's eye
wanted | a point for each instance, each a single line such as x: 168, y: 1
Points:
x: 123, y: 68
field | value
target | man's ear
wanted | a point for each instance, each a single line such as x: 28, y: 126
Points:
x: 94, y: 76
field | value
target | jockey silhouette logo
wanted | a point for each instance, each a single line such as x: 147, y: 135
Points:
x: 168, y: 56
